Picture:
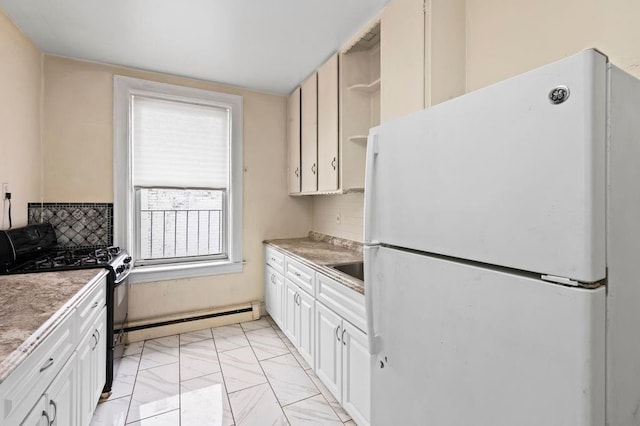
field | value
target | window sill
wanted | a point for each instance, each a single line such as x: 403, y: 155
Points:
x: 145, y: 274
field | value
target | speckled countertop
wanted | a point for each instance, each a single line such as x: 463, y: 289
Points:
x: 319, y: 250
x: 31, y: 305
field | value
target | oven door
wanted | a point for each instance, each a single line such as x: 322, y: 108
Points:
x: 120, y: 307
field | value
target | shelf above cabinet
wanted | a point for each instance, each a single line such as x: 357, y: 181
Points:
x: 374, y: 86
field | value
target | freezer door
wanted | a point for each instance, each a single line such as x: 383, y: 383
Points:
x: 462, y: 345
x: 501, y: 175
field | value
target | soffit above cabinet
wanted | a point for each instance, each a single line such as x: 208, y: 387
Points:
x: 268, y: 45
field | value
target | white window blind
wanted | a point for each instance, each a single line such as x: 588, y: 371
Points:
x: 179, y: 145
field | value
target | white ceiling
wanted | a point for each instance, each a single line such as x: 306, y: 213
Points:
x: 266, y: 45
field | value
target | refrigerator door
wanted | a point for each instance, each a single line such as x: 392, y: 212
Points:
x: 501, y: 176
x: 463, y: 345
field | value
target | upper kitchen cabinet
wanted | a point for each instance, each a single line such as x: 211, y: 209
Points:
x: 328, y: 125
x: 309, y: 134
x: 422, y: 54
x: 293, y: 140
x: 360, y: 85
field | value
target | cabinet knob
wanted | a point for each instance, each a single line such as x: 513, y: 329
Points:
x: 333, y: 163
x: 313, y: 168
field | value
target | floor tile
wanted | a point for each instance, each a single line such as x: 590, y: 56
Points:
x: 266, y: 343
x: 311, y: 411
x: 195, y: 336
x: 156, y: 391
x: 134, y: 348
x: 241, y: 369
x: 204, y: 401
x: 271, y: 321
x: 172, y: 418
x: 124, y: 375
x: 256, y: 406
x: 350, y: 423
x: 342, y: 414
x: 280, y: 333
x: 229, y: 337
x: 255, y: 324
x: 198, y: 359
x: 289, y: 381
x: 112, y: 412
x: 159, y: 352
x: 303, y: 363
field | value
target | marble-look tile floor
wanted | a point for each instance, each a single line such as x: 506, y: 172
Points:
x: 240, y: 374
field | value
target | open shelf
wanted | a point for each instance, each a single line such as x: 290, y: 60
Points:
x: 358, y: 138
x: 374, y: 86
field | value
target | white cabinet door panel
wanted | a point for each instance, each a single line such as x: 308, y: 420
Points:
x: 356, y: 383
x: 62, y: 395
x: 306, y: 336
x: 328, y: 349
x: 290, y: 324
x: 309, y: 134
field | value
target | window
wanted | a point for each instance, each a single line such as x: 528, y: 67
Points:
x: 177, y: 179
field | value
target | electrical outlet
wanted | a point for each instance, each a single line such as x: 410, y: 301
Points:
x: 338, y: 218
x: 5, y: 189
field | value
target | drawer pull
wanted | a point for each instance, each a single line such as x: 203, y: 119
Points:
x: 297, y: 274
x: 46, y: 365
x: 95, y: 304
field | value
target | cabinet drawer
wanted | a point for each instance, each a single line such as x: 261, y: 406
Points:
x: 275, y: 259
x: 31, y: 378
x: 299, y: 274
x: 89, y: 307
x: 347, y: 303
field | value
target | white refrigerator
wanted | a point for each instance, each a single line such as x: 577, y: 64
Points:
x: 502, y: 254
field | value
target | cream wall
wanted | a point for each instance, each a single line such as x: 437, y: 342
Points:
x: 350, y: 207
x: 505, y: 38
x: 77, y: 139
x: 21, y: 89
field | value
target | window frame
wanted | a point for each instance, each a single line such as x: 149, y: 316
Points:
x: 125, y: 220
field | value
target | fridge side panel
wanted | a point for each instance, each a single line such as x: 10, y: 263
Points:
x: 462, y: 345
x: 500, y: 175
x: 623, y: 252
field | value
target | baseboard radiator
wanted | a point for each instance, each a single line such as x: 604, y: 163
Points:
x: 181, y: 322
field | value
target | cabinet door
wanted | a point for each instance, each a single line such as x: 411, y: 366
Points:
x: 356, y: 374
x: 309, y: 134
x: 402, y: 58
x: 328, y: 125
x: 305, y: 307
x: 290, y: 326
x: 92, y: 361
x: 273, y: 287
x: 329, y: 349
x: 38, y: 415
x: 61, y: 396
x: 293, y: 140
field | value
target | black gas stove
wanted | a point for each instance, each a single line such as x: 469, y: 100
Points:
x: 34, y: 248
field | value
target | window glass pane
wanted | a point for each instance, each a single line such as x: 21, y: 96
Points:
x: 178, y: 144
x: 181, y: 222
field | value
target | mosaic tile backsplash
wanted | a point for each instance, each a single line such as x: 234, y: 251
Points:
x: 78, y: 225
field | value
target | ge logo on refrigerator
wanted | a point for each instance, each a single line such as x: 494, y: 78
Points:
x: 559, y: 94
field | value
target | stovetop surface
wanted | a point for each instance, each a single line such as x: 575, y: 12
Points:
x: 64, y: 259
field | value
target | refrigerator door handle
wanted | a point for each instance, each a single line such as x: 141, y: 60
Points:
x: 372, y: 152
x: 368, y: 298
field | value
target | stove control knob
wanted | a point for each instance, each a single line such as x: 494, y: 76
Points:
x: 127, y: 259
x: 120, y: 269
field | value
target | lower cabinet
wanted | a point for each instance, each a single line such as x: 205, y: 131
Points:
x: 298, y: 319
x: 60, y: 382
x: 92, y: 353
x: 343, y: 362
x: 321, y: 327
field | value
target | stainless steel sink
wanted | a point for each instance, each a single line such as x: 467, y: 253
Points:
x: 354, y: 269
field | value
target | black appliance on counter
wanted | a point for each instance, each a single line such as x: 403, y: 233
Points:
x: 34, y: 248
